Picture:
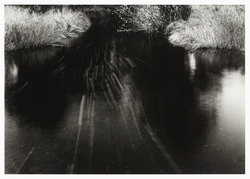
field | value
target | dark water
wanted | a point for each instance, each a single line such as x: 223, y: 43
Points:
x: 125, y: 104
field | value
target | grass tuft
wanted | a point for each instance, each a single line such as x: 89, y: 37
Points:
x: 25, y: 29
x: 217, y: 26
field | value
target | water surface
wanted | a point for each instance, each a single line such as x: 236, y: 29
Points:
x: 125, y: 104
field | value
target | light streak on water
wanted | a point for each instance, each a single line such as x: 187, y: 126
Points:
x: 20, y: 89
x: 106, y: 97
x: 162, y: 149
x: 71, y: 167
x: 111, y: 94
x: 91, y: 136
x: 132, y: 64
x: 126, y: 126
x: 89, y: 103
x: 113, y: 74
x: 135, y: 120
x: 92, y: 85
x: 25, y: 160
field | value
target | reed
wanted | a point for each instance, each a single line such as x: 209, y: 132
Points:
x: 26, y: 29
x: 210, y: 26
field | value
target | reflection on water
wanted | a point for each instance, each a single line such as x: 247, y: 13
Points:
x: 33, y: 82
x: 216, y: 60
x: 219, y: 85
x: 125, y: 104
x: 33, y: 65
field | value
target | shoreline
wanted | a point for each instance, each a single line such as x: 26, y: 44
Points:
x: 204, y: 27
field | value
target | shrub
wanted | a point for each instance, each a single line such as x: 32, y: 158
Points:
x: 26, y: 29
x: 150, y: 18
x: 220, y: 26
x: 172, y: 13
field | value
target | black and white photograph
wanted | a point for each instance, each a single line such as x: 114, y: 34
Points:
x: 147, y: 88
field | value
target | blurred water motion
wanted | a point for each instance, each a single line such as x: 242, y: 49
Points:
x: 219, y: 85
x: 124, y: 104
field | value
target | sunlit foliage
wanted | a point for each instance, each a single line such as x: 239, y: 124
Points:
x: 26, y: 29
x: 220, y: 26
x: 149, y: 18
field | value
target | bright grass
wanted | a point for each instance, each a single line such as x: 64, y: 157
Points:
x: 25, y: 29
x: 147, y: 18
x: 150, y: 18
x: 220, y: 26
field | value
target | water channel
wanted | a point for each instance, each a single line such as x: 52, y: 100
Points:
x: 124, y: 103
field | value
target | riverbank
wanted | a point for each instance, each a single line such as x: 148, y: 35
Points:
x: 35, y: 26
x: 25, y: 29
x: 220, y: 27
x: 192, y: 27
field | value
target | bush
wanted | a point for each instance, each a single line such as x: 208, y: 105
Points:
x: 25, y: 28
x: 150, y: 18
x: 220, y: 26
